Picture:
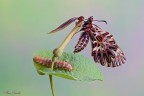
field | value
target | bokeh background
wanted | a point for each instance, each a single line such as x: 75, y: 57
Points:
x: 24, y: 25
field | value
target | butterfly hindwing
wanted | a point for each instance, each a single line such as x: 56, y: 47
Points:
x: 82, y: 43
x: 105, y: 50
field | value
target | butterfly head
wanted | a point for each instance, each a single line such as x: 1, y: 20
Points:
x: 90, y: 18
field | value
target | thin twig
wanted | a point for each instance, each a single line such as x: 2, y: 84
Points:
x: 53, y: 61
x: 52, y: 85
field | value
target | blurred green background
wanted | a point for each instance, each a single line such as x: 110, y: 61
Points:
x: 24, y: 25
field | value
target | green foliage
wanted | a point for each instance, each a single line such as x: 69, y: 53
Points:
x: 84, y: 69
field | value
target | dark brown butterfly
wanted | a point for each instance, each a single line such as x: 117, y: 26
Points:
x: 104, y: 48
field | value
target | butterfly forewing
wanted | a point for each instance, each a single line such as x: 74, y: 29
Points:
x: 105, y: 50
x: 82, y: 43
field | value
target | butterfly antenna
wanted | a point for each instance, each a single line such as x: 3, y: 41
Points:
x: 101, y: 21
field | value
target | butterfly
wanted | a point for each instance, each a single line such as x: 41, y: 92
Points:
x: 104, y: 48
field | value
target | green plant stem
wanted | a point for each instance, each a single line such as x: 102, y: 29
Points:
x: 52, y: 85
x: 53, y: 61
x: 58, y: 51
x: 51, y: 78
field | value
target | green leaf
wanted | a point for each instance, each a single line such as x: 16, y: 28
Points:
x: 84, y: 69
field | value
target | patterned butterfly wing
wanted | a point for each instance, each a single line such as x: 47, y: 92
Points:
x: 65, y: 24
x: 82, y: 43
x: 105, y: 50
